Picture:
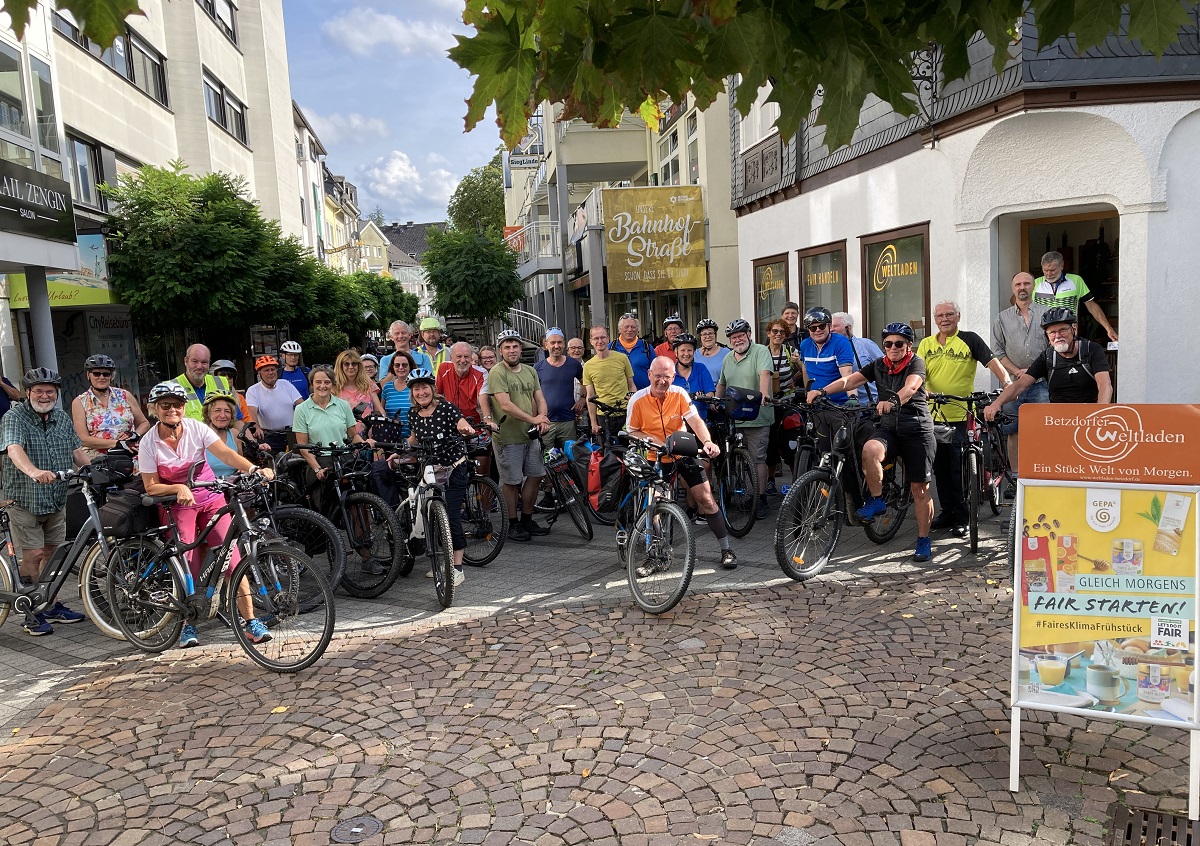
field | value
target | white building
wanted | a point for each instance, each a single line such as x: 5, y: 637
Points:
x: 310, y: 177
x: 1092, y: 156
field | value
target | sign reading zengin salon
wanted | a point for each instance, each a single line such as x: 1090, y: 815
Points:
x: 654, y: 238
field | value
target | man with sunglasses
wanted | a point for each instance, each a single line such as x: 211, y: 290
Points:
x: 826, y: 355
x: 105, y: 414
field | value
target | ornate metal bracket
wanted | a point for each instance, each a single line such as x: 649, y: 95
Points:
x: 926, y: 77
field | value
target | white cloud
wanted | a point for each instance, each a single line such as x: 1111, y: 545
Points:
x: 335, y: 127
x: 396, y: 179
x: 362, y: 30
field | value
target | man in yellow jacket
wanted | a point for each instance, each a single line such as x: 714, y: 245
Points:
x: 198, y: 382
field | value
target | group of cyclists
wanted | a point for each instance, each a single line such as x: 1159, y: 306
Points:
x: 439, y: 395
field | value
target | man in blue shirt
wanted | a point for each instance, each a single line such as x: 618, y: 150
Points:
x: 638, y: 349
x: 865, y: 350
x: 827, y: 357
x: 693, y: 378
x: 557, y: 373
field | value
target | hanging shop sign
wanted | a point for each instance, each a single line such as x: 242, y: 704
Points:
x: 35, y: 204
x: 654, y: 238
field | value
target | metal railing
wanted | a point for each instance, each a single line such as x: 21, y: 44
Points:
x: 531, y: 327
x: 535, y: 239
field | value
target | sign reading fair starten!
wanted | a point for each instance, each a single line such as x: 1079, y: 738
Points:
x: 654, y: 238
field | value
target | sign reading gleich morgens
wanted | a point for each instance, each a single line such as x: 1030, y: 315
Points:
x: 35, y: 204
x: 654, y: 238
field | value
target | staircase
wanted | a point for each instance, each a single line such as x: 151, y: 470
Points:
x: 531, y: 327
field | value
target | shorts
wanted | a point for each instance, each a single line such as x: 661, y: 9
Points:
x: 1039, y: 391
x: 37, y: 531
x: 559, y: 433
x: 691, y: 471
x: 518, y: 462
x: 916, y: 452
x: 755, y: 439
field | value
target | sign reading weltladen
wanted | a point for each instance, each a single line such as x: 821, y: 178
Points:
x: 654, y: 238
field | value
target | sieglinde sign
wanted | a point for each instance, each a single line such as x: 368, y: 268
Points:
x: 654, y: 238
x: 35, y: 204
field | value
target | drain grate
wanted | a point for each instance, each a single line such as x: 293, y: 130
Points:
x: 1140, y: 827
x: 355, y: 830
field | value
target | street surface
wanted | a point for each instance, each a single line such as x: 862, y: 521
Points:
x: 864, y: 708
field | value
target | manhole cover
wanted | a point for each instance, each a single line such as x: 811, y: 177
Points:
x: 1139, y: 827
x: 355, y: 830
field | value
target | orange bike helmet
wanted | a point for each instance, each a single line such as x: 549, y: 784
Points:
x: 265, y: 361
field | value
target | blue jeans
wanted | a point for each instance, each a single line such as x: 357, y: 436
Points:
x: 1039, y: 391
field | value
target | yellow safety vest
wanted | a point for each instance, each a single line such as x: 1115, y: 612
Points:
x: 194, y: 408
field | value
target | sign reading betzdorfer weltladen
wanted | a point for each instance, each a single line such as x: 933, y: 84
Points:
x: 35, y: 204
x: 654, y: 238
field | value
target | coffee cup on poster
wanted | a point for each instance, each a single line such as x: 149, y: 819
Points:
x: 1105, y: 683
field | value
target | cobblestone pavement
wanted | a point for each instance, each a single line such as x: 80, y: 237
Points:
x: 866, y: 707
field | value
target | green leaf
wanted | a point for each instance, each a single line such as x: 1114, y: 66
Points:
x: 505, y: 72
x: 1053, y: 18
x: 1156, y: 23
x: 844, y: 95
x: 1094, y: 21
x: 1156, y: 508
x: 650, y: 45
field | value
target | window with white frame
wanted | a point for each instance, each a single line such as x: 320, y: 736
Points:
x: 668, y: 159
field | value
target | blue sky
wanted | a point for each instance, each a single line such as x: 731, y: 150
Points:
x: 374, y: 80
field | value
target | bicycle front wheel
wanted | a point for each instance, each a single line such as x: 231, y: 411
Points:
x: 485, y: 521
x: 278, y: 579
x: 659, y: 557
x: 739, y: 493
x: 571, y: 500
x: 145, y: 593
x: 93, y: 592
x: 898, y: 497
x: 441, y: 551
x: 971, y: 487
x: 809, y: 525
x: 373, y: 546
x: 317, y: 538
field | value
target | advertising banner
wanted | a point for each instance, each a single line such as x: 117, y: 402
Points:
x: 1106, y: 551
x: 654, y: 238
x: 87, y: 286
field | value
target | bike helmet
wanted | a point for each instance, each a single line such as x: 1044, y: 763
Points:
x: 421, y: 375
x: 431, y: 323
x: 369, y: 357
x: 817, y: 314
x: 902, y: 329
x: 99, y: 361
x: 684, y: 338
x: 737, y: 325
x: 707, y: 323
x: 676, y: 320
x: 166, y: 390
x: 40, y: 376
x: 1058, y: 314
x: 290, y: 347
x: 265, y: 361
x: 508, y: 335
x: 213, y: 396
x: 223, y: 364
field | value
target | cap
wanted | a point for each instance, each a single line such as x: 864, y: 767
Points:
x: 554, y: 330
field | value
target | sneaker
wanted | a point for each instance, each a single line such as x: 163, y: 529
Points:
x: 429, y: 575
x: 961, y: 531
x: 188, y: 638
x: 547, y: 501
x: 373, y: 567
x: 533, y: 528
x: 1010, y: 492
x: 872, y: 509
x: 771, y: 488
x: 943, y: 521
x: 36, y: 625
x: 762, y: 509
x: 257, y: 631
x: 700, y: 519
x: 516, y: 532
x: 924, y: 550
x: 61, y: 614
x: 459, y: 577
x: 728, y: 559
x: 648, y: 569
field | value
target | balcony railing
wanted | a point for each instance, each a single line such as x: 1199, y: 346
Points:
x: 534, y: 241
x: 531, y: 327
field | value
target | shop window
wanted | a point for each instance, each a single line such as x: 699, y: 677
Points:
x: 823, y: 277
x: 85, y: 172
x: 43, y: 102
x: 52, y: 167
x: 15, y: 153
x: 12, y: 92
x: 770, y: 292
x: 895, y: 270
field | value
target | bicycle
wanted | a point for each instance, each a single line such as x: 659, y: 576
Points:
x: 371, y: 530
x: 979, y: 479
x: 563, y: 487
x: 811, y: 516
x: 652, y: 529
x: 734, y: 475
x: 152, y: 590
x: 425, y: 517
x: 484, y: 511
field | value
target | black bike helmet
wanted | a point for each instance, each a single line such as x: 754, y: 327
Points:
x: 40, y: 376
x: 99, y: 361
x: 817, y: 314
x: 684, y: 338
x: 707, y: 323
x: 902, y: 329
x: 737, y: 325
x: 1058, y: 314
x: 675, y: 319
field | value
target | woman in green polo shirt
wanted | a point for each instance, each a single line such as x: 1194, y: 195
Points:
x: 323, y: 419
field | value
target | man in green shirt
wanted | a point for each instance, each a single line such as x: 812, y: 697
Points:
x: 1055, y: 289
x: 748, y: 366
x: 517, y: 392
x: 609, y: 378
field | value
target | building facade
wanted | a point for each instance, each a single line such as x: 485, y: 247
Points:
x: 1091, y: 156
x: 310, y: 178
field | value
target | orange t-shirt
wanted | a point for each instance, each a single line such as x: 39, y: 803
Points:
x: 659, y: 418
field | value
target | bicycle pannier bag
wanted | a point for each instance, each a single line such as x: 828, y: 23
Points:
x: 743, y: 405
x: 608, y: 474
x: 123, y: 515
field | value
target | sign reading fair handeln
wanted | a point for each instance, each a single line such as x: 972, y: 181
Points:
x: 1106, y: 574
x: 654, y: 238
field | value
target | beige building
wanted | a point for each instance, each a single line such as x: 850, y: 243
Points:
x: 341, y: 247
x: 373, y: 248
x: 554, y: 204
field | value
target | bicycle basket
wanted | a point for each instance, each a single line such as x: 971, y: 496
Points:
x: 123, y: 515
x: 743, y: 404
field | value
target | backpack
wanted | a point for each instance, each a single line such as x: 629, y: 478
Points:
x: 646, y: 348
x: 1051, y: 355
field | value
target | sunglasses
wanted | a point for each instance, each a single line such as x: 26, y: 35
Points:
x: 817, y: 327
x: 170, y: 406
x: 887, y: 345
x: 102, y: 374
x: 778, y: 331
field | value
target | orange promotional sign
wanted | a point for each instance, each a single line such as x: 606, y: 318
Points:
x: 1124, y: 444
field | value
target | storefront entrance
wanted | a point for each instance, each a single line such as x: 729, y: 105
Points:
x: 1090, y: 244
